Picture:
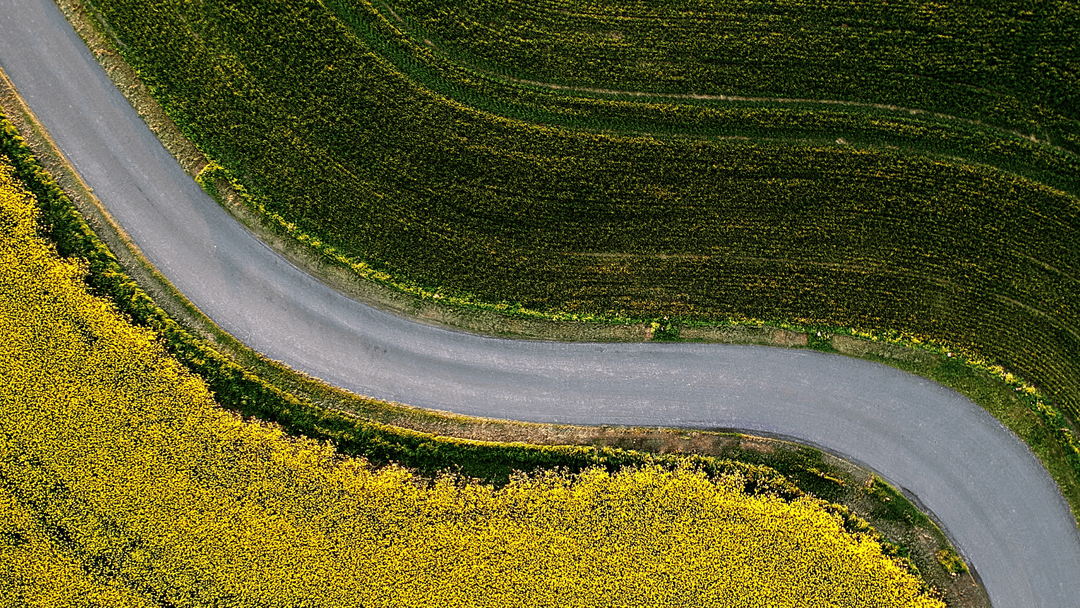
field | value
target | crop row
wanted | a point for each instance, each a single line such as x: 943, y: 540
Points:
x: 688, y: 115
x: 118, y: 471
x: 1010, y: 64
x: 329, y: 135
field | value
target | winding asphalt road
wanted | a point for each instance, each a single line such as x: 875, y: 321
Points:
x: 995, y: 500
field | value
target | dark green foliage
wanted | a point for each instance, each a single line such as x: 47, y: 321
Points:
x: 819, y: 340
x: 893, y: 506
x: 804, y: 466
x: 1007, y: 63
x: 680, y: 114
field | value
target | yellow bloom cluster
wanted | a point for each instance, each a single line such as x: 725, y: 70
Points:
x: 35, y: 571
x: 121, y: 482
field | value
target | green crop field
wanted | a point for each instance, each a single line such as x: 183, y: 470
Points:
x: 403, y: 138
x: 1006, y: 63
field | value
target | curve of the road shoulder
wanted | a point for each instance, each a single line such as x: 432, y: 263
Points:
x: 997, y: 503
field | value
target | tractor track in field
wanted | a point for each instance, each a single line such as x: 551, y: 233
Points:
x: 661, y: 96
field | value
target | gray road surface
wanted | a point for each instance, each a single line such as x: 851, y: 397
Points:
x: 995, y: 500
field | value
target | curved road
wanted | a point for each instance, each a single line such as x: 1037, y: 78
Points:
x: 996, y: 501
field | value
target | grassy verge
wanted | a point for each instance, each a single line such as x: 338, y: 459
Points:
x: 1016, y: 404
x: 303, y: 411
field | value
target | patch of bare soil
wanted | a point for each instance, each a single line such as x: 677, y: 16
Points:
x: 859, y: 347
x: 743, y: 334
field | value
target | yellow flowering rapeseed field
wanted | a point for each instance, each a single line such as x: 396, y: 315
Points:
x: 122, y: 484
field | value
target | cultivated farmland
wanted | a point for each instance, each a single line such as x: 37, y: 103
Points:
x: 345, y: 128
x: 1004, y: 63
x: 123, y: 484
